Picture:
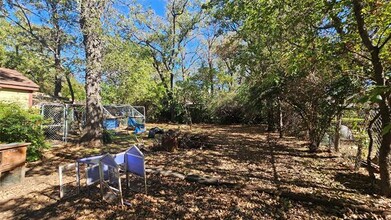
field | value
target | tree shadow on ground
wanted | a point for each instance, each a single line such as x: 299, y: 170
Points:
x: 166, y: 199
x: 275, y: 179
x: 358, y: 182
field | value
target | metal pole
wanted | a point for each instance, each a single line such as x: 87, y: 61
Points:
x: 60, y: 177
x: 101, y: 177
x: 65, y: 123
x: 119, y: 186
x: 43, y: 114
x: 145, y: 117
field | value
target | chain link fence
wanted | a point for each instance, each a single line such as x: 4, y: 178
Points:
x: 75, y: 120
x: 54, y: 121
x: 67, y: 121
x: 125, y: 112
x: 376, y: 130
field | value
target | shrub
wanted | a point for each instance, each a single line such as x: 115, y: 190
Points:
x: 19, y: 125
x: 229, y: 111
x: 107, y: 136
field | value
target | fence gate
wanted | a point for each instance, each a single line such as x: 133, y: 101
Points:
x: 54, y: 116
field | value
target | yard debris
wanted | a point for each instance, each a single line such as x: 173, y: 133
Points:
x: 240, y: 178
x: 153, y: 131
x: 169, y: 141
x: 173, y: 140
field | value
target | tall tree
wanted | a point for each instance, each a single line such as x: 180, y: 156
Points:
x: 375, y: 47
x: 166, y: 38
x: 129, y: 77
x: 49, y: 23
x: 25, y: 55
x: 366, y: 32
x: 90, y: 23
x: 209, y: 36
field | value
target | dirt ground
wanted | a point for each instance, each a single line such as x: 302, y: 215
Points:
x: 262, y: 176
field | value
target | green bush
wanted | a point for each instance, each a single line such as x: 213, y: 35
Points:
x: 228, y: 111
x: 19, y: 125
x: 107, y: 136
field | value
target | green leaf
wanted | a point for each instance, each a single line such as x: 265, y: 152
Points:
x: 376, y: 99
x: 386, y: 129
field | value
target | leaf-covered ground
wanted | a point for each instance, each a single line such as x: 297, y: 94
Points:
x: 262, y: 176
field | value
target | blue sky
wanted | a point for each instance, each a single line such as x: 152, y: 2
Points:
x: 157, y: 5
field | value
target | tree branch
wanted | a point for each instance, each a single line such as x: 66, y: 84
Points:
x: 357, y: 8
x: 381, y: 35
x: 385, y: 42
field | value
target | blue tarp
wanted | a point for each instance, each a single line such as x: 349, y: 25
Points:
x: 138, y: 128
x: 132, y: 122
x: 110, y: 123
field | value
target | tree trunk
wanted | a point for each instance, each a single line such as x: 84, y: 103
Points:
x: 211, y: 80
x: 358, y: 160
x: 57, y: 50
x: 385, y: 149
x: 210, y: 68
x: 314, y: 140
x: 337, y: 138
x: 370, y: 169
x: 280, y: 119
x: 67, y: 76
x: 57, y: 84
x: 378, y: 75
x: 57, y: 76
x: 91, y: 12
x: 172, y: 65
x: 270, y: 115
x: 171, y: 104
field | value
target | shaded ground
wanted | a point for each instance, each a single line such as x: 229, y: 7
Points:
x: 270, y: 178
